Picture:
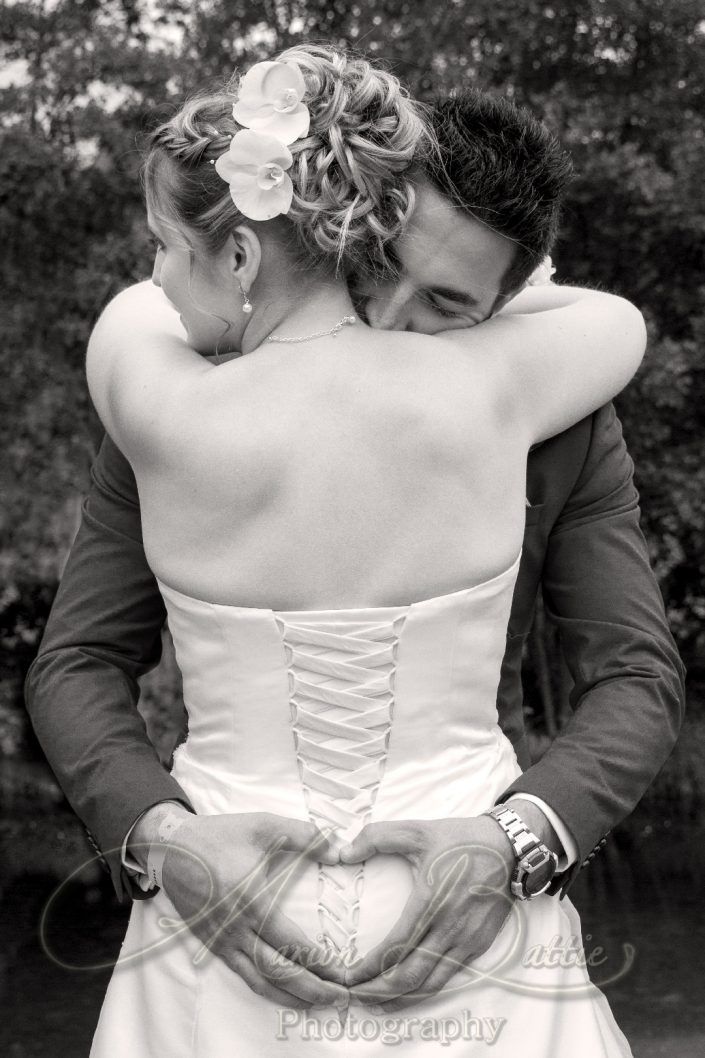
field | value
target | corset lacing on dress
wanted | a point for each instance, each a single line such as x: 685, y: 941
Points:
x: 341, y: 693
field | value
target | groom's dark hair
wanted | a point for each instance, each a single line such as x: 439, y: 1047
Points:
x: 502, y: 166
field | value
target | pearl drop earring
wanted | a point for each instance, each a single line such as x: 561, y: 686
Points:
x: 247, y: 307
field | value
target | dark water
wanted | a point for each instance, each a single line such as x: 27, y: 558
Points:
x: 646, y: 890
x: 643, y: 892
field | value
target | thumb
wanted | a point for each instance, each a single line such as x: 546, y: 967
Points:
x: 294, y: 835
x: 402, y: 837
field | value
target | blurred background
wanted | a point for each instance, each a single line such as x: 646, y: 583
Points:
x: 622, y: 82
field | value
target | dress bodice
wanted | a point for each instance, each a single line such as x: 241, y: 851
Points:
x: 342, y: 717
x: 411, y: 684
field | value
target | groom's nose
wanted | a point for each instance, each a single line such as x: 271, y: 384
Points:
x: 388, y: 308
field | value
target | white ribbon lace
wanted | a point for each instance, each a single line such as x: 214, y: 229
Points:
x: 341, y: 694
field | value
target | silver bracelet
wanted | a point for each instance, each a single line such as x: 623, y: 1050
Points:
x: 158, y: 849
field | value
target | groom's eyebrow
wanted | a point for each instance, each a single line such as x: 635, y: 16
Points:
x: 460, y: 297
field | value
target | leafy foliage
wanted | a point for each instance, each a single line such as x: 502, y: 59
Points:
x: 621, y: 81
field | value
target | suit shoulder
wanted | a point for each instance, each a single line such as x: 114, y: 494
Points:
x: 566, y: 452
x: 558, y: 466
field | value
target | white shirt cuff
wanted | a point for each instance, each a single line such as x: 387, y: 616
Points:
x: 570, y: 849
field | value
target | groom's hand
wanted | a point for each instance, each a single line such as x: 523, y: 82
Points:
x: 460, y: 900
x: 220, y: 874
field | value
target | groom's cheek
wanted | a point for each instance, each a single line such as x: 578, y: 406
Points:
x: 371, y: 311
x: 364, y: 292
x: 422, y: 319
x: 384, y: 305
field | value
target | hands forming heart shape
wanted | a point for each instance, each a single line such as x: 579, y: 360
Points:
x: 459, y: 902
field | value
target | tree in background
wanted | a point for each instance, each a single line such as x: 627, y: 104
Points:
x: 620, y: 81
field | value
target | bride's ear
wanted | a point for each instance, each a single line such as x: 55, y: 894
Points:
x: 245, y: 256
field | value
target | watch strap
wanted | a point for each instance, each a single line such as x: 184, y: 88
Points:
x: 158, y: 849
x: 521, y: 838
x: 524, y: 842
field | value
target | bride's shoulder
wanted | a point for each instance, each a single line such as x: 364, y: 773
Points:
x: 143, y: 303
x: 434, y: 381
x: 451, y: 350
x: 450, y: 364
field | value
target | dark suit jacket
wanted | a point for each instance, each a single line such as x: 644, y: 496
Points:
x: 582, y: 543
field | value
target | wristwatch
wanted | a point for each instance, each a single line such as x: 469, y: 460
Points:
x: 535, y: 863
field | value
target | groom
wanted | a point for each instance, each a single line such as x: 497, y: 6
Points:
x: 501, y: 182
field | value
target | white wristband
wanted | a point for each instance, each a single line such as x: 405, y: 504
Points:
x: 157, y: 850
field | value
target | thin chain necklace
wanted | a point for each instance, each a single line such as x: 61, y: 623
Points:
x: 333, y: 332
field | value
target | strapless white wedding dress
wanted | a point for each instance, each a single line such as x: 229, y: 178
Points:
x: 344, y: 717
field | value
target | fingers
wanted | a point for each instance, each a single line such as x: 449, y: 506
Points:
x: 292, y: 976
x: 402, y: 837
x: 408, y: 932
x: 408, y: 975
x: 257, y: 913
x: 295, y: 835
x: 445, y: 969
x: 405, y: 984
x: 282, y: 935
x: 263, y: 963
x: 240, y: 964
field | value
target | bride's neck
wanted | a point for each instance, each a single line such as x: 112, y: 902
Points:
x: 302, y: 308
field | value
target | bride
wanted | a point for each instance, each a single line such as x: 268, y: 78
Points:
x: 334, y: 515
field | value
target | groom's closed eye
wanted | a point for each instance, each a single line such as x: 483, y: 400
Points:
x: 430, y: 300
x: 452, y: 304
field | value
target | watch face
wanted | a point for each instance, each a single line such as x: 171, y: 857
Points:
x: 536, y: 870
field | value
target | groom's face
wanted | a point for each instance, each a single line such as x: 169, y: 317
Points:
x: 451, y: 269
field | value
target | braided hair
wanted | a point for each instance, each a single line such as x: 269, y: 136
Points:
x: 352, y: 174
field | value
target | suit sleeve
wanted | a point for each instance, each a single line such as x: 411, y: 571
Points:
x: 628, y: 694
x: 103, y: 633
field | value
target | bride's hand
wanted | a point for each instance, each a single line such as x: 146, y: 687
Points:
x: 459, y: 902
x: 219, y: 875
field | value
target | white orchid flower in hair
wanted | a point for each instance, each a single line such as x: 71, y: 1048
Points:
x: 255, y: 168
x: 542, y: 273
x: 269, y: 101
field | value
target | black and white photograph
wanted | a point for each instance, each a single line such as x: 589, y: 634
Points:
x: 352, y: 531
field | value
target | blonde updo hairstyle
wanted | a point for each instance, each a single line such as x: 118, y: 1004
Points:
x: 352, y: 174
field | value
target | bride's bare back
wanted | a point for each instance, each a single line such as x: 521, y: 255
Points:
x: 373, y: 469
